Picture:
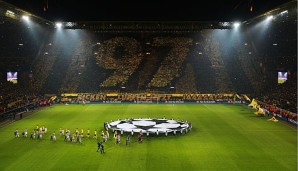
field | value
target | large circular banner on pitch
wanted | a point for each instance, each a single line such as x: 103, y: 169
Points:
x: 148, y: 125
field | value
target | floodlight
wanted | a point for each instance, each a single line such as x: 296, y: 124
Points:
x: 10, y: 12
x: 236, y: 24
x: 284, y: 12
x: 270, y: 17
x: 58, y: 24
x: 25, y: 17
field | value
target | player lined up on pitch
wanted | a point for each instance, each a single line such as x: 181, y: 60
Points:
x: 76, y: 136
x: 38, y: 131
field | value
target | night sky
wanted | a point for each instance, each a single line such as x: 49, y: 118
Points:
x: 145, y: 10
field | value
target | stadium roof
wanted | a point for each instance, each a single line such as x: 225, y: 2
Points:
x: 145, y: 16
x: 165, y: 10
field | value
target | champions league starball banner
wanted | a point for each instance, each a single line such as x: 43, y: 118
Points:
x: 150, y: 126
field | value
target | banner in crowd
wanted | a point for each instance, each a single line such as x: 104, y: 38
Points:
x: 159, y: 102
x: 112, y: 95
x: 280, y: 113
x: 69, y: 95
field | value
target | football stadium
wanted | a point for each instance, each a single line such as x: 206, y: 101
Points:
x: 148, y: 95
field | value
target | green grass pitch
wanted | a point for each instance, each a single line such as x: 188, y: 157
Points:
x: 224, y: 137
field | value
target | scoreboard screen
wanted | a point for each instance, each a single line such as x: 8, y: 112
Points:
x: 12, y: 77
x: 282, y: 77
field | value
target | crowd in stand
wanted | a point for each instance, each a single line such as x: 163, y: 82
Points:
x: 12, y: 96
x: 178, y: 62
x: 213, y: 50
x: 77, y: 67
x: 283, y: 95
x: 123, y: 65
x: 251, y: 68
x: 187, y: 77
x: 151, y: 64
x: 170, y: 67
x: 279, y: 111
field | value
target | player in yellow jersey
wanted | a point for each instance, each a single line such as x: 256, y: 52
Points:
x: 60, y: 131
x: 82, y: 132
x: 95, y: 134
x: 102, y: 133
x: 108, y: 135
x: 77, y: 132
x: 88, y: 133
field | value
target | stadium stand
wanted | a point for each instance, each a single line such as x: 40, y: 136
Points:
x: 149, y: 59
